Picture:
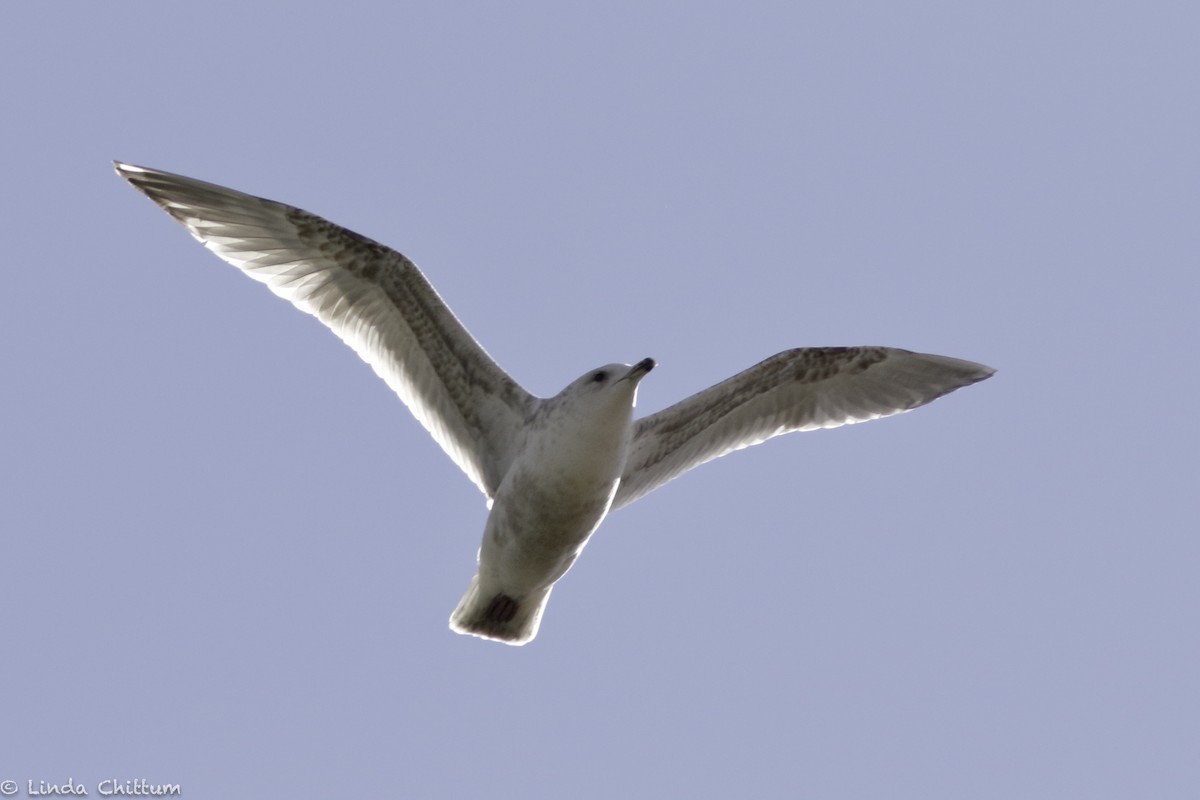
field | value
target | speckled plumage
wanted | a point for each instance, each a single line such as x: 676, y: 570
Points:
x: 553, y: 468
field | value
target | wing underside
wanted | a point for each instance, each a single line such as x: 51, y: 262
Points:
x: 797, y: 390
x: 375, y: 300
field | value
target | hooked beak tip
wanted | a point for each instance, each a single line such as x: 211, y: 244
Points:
x: 639, y: 370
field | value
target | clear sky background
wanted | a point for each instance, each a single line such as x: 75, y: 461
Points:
x: 229, y: 553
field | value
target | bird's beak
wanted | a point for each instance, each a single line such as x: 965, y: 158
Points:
x: 639, y: 370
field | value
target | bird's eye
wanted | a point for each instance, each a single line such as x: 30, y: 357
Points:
x: 600, y: 377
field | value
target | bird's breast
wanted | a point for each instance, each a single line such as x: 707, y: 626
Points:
x: 545, y: 510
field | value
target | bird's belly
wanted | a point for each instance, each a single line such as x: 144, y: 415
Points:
x: 538, y: 526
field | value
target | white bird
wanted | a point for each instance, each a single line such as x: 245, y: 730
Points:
x: 551, y: 469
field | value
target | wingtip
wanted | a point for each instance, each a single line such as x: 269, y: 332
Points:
x: 983, y: 372
x: 973, y: 371
x: 125, y: 170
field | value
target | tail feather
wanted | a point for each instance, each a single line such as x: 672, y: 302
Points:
x: 498, y: 616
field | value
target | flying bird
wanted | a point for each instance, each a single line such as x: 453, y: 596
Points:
x: 551, y: 468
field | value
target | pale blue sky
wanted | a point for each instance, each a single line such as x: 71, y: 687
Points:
x: 230, y: 553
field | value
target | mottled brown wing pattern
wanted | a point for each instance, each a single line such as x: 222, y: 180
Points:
x: 375, y: 300
x: 796, y: 390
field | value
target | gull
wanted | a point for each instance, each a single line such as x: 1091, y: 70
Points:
x: 551, y: 468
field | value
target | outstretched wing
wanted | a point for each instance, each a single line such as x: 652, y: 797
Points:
x: 797, y: 390
x: 372, y: 297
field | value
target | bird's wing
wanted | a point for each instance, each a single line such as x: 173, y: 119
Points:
x: 372, y: 297
x: 797, y: 390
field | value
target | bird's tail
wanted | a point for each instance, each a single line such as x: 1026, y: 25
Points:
x: 497, y: 616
